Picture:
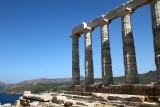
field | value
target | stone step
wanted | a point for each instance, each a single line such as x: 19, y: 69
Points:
x: 105, y: 96
x: 87, y: 98
x: 68, y: 99
x: 113, y: 99
x: 133, y: 104
x: 78, y: 100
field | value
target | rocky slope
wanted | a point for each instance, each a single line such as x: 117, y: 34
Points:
x: 45, y: 80
x: 41, y: 85
x: 145, y: 78
x: 2, y: 84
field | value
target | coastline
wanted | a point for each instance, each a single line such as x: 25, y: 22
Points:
x: 8, y: 99
x: 3, y: 90
x: 10, y: 92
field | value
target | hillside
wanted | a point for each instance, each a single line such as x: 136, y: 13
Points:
x: 41, y: 85
x: 145, y: 78
x: 2, y: 84
x: 45, y: 80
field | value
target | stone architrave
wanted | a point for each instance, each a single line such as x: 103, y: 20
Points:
x: 155, y: 12
x: 131, y: 74
x: 107, y: 76
x: 89, y: 72
x: 75, y: 60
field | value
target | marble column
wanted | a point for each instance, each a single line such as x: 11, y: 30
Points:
x: 131, y: 74
x: 107, y: 76
x: 75, y: 60
x: 89, y: 72
x: 155, y: 12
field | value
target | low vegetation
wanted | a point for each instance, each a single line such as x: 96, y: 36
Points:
x: 146, y: 78
x: 41, y: 87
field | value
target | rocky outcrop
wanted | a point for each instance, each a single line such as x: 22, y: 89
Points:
x: 45, y: 80
x: 85, y: 99
x: 89, y: 96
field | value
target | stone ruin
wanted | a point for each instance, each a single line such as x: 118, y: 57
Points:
x: 83, y: 99
x: 130, y: 94
x: 124, y: 11
x: 131, y: 86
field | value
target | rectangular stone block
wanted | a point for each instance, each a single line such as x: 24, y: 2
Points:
x: 94, y: 22
x: 111, y: 15
x: 114, y: 13
x: 79, y: 28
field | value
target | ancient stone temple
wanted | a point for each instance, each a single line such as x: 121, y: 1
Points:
x: 124, y: 11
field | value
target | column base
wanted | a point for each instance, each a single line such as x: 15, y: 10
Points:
x: 158, y: 73
x: 89, y: 81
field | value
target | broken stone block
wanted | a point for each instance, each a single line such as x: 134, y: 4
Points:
x: 137, y: 99
x: 54, y: 100
x: 34, y: 104
x: 17, y: 103
x: 68, y: 104
x: 26, y: 93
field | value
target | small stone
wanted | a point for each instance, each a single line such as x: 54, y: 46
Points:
x: 68, y: 104
x: 7, y: 105
x: 17, y: 103
x: 26, y: 93
x: 159, y: 100
x: 34, y: 104
x: 54, y: 100
x: 137, y: 99
x: 20, y: 98
x: 79, y: 103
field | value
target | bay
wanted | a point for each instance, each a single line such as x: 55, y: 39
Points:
x: 8, y: 98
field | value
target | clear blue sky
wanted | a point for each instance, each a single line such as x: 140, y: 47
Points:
x: 35, y: 43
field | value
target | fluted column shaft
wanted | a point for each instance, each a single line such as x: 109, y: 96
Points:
x: 155, y: 12
x: 131, y: 74
x: 107, y: 77
x: 75, y: 61
x: 89, y: 73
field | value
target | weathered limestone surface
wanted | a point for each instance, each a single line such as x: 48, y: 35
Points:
x: 131, y: 74
x: 107, y: 77
x: 89, y: 73
x: 133, y: 5
x: 95, y: 22
x: 111, y: 15
x: 155, y: 11
x: 17, y: 103
x: 43, y: 97
x: 79, y: 28
x: 75, y: 61
x: 124, y: 11
x: 7, y: 105
x: 34, y: 104
x: 85, y: 99
x: 146, y: 90
x: 27, y: 92
x: 63, y: 100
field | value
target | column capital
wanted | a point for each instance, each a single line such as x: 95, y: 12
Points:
x: 125, y: 11
x: 103, y: 22
x: 87, y: 29
x: 75, y: 35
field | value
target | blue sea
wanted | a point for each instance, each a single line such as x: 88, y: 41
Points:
x: 8, y: 98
